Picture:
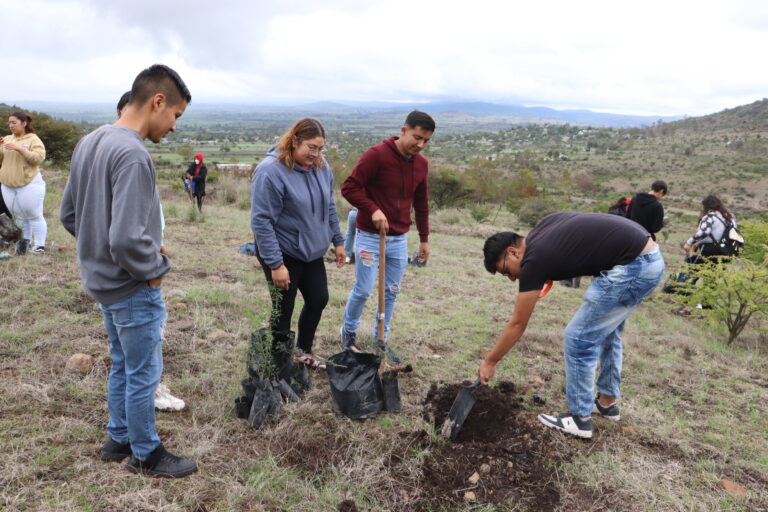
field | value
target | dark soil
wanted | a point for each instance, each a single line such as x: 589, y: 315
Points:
x: 502, y: 442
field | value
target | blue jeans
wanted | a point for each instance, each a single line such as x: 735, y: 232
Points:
x: 349, y: 242
x: 366, y: 277
x: 134, y: 327
x: 594, y: 333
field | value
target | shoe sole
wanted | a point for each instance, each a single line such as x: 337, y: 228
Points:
x: 578, y: 433
x: 149, y: 472
x: 113, y: 457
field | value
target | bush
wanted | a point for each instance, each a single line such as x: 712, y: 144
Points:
x: 735, y: 291
x: 531, y: 212
x: 445, y: 189
x: 480, y: 212
x: 755, y: 241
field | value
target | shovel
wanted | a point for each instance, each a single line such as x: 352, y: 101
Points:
x: 460, y: 409
x: 390, y: 387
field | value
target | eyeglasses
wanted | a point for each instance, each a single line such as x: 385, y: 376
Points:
x: 320, y: 150
x: 504, y: 272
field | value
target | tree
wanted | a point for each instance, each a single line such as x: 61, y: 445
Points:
x: 185, y: 152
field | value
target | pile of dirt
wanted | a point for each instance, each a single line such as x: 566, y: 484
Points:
x: 500, y: 456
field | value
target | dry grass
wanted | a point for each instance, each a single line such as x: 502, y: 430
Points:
x: 698, y: 408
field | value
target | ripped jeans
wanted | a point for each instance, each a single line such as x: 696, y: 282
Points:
x: 366, y: 278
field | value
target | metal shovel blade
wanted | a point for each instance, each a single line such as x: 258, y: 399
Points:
x: 460, y: 410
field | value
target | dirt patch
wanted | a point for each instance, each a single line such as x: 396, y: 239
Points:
x: 501, y: 455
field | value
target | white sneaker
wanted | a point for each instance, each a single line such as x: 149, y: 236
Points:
x: 165, y: 401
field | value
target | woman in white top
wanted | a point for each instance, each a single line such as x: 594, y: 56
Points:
x: 713, y: 219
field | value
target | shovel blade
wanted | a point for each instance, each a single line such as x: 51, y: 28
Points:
x: 462, y: 405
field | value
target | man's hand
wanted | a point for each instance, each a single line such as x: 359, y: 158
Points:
x: 280, y: 277
x: 155, y: 283
x: 341, y: 255
x: 486, y: 371
x: 380, y: 221
x: 687, y: 248
x: 423, y: 252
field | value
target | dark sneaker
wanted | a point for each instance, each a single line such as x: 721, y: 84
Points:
x: 40, y: 249
x: 163, y: 463
x: 22, y: 246
x: 611, y: 412
x: 112, y: 451
x: 569, y: 424
x: 348, y: 340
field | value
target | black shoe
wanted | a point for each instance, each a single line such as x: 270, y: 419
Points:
x: 611, y: 412
x: 112, y: 451
x: 161, y: 462
x: 22, y: 246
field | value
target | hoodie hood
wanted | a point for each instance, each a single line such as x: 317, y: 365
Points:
x: 644, y: 199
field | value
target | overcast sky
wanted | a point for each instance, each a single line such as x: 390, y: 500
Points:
x: 653, y: 57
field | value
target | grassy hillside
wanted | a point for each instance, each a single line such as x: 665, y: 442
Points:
x: 693, y: 410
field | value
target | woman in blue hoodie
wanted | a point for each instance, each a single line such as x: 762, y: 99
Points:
x: 294, y: 220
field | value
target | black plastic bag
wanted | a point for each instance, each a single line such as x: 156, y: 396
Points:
x: 390, y: 388
x: 355, y: 384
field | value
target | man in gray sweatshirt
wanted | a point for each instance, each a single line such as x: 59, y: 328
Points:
x: 112, y: 208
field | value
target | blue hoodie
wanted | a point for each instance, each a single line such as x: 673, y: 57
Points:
x: 293, y: 211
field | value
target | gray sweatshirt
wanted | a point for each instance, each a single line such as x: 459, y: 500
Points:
x: 292, y: 211
x: 112, y: 207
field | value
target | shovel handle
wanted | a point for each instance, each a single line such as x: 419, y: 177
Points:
x: 382, y: 264
x: 474, y: 385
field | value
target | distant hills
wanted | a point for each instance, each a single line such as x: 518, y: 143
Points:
x: 746, y: 118
x: 501, y: 113
x: 456, y: 115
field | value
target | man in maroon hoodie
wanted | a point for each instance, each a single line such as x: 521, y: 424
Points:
x: 388, y: 180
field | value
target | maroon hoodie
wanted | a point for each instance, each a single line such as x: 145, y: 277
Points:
x: 385, y: 180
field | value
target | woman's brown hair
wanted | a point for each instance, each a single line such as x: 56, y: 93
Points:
x: 303, y: 129
x: 24, y: 118
x: 713, y: 203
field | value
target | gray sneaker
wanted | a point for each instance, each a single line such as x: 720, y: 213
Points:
x: 611, y: 412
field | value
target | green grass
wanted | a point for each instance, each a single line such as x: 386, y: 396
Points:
x: 698, y: 405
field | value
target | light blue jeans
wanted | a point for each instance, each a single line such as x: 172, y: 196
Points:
x: 349, y: 241
x: 594, y: 333
x: 134, y: 327
x: 366, y: 278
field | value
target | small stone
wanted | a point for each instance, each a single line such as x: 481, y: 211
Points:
x: 485, y: 468
x: 470, y: 496
x: 216, y: 335
x: 626, y: 429
x: 80, y: 363
x: 474, y: 478
x: 536, y: 382
x: 509, y: 464
x: 732, y: 487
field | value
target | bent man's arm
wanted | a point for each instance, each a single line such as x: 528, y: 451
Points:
x: 512, y: 332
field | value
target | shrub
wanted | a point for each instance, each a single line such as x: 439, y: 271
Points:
x: 531, y: 212
x: 755, y: 241
x: 445, y: 189
x: 735, y: 292
x: 480, y: 212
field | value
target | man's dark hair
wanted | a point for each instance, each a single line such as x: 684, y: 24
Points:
x: 124, y: 99
x: 495, y: 246
x: 420, y: 119
x: 159, y: 78
x: 659, y: 185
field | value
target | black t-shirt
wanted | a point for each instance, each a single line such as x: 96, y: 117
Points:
x: 571, y: 244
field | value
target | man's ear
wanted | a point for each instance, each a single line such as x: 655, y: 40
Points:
x: 158, y: 101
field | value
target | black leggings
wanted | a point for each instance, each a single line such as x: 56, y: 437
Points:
x: 310, y: 279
